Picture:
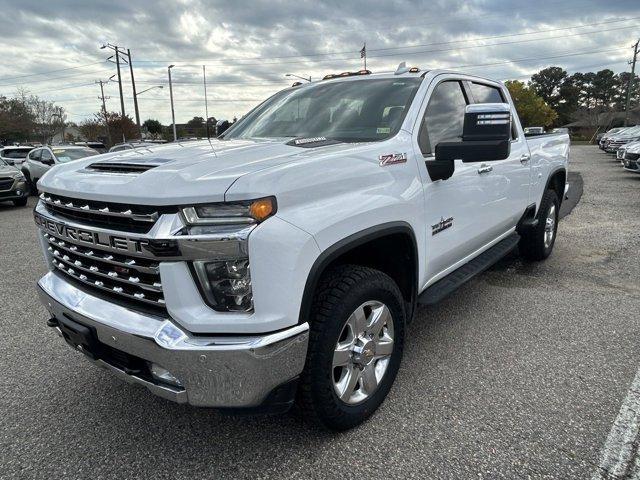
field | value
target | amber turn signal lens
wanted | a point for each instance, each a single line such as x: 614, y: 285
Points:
x: 262, y: 209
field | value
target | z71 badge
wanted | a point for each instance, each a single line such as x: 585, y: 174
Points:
x: 443, y: 224
x: 392, y: 159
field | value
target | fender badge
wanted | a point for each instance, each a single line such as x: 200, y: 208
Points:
x: 443, y: 224
x: 392, y: 159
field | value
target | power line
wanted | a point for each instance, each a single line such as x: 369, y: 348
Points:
x: 95, y: 72
x: 351, y: 52
x: 51, y: 71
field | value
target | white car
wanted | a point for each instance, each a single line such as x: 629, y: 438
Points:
x: 284, y: 259
x: 631, y: 158
x: 40, y: 160
x: 14, y: 155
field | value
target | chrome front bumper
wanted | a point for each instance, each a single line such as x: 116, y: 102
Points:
x: 214, y: 371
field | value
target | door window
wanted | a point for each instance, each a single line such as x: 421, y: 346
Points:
x: 46, y: 156
x: 486, y: 94
x: 444, y: 117
x: 35, y: 155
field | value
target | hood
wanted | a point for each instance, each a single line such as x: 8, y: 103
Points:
x: 8, y: 171
x: 172, y: 174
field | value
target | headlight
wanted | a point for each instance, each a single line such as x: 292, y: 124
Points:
x: 251, y: 211
x: 225, y: 283
x: 18, y: 175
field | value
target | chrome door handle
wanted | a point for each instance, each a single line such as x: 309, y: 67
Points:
x: 484, y: 168
x: 524, y: 158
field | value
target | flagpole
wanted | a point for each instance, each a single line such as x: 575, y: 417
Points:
x: 365, y: 55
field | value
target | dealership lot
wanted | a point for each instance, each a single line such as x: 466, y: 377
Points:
x: 519, y: 373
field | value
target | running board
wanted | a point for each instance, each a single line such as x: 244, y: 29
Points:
x: 466, y: 272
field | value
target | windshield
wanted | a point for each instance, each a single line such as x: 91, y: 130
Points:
x: 16, y: 152
x: 348, y: 111
x: 65, y: 155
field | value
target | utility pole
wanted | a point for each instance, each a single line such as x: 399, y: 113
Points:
x: 104, y: 111
x: 135, y: 97
x: 630, y: 83
x: 206, y: 107
x: 173, y: 113
x: 120, y: 82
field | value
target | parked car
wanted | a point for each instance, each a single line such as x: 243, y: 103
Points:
x: 13, y: 186
x: 631, y: 158
x: 601, y: 137
x: 560, y: 130
x: 621, y: 151
x: 97, y: 146
x: 534, y: 131
x: 284, y: 260
x: 118, y: 147
x: 621, y: 138
x: 14, y: 155
x: 40, y: 160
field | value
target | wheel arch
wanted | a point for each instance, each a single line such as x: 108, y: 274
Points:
x: 355, y: 247
x: 557, y: 181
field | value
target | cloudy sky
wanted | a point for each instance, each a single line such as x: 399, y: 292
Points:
x: 51, y: 48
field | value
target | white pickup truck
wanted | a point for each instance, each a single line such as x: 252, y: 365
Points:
x: 282, y: 262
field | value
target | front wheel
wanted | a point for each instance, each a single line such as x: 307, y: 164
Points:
x: 537, y: 242
x: 355, y: 346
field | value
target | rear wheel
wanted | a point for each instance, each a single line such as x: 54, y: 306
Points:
x: 355, y: 346
x: 537, y: 242
x: 30, y: 184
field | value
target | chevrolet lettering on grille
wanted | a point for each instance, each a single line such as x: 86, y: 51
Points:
x: 90, y: 237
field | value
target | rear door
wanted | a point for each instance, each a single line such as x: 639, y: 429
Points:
x: 41, y: 166
x: 455, y: 209
x: 33, y: 163
x: 508, y: 181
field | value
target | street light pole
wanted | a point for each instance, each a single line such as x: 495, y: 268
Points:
x: 173, y: 113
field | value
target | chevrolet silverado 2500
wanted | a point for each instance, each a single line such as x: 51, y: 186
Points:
x: 281, y: 262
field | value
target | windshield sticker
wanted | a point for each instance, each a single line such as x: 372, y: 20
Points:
x: 383, y: 130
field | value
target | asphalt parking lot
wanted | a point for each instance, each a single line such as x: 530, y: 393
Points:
x: 521, y: 373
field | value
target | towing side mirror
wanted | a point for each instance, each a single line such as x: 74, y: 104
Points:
x: 485, y: 137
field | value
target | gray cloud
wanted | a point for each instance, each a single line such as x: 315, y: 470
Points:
x: 248, y: 46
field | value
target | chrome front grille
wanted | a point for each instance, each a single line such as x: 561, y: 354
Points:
x: 119, y: 216
x: 135, y: 279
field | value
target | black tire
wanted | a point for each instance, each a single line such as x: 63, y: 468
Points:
x: 21, y: 202
x: 341, y: 292
x: 30, y: 185
x: 532, y: 244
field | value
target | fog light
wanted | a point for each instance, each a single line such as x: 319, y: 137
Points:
x: 164, y: 376
x: 19, y: 192
x: 226, y: 284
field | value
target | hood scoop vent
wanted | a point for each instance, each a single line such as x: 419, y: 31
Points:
x: 126, y: 167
